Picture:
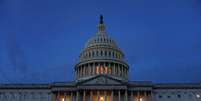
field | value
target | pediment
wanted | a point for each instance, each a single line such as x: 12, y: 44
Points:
x: 101, y: 80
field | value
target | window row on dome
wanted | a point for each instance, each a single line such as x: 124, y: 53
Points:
x: 101, y: 68
x: 102, y: 39
x: 101, y: 53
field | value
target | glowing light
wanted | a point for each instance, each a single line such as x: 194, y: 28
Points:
x: 140, y: 99
x: 101, y: 69
x: 97, y: 70
x: 197, y: 95
x: 106, y: 70
x: 101, y: 98
x: 62, y: 99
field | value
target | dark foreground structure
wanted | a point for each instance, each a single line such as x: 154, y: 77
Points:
x: 101, y: 75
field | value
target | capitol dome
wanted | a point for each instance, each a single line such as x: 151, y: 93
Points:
x: 101, y: 38
x: 101, y: 56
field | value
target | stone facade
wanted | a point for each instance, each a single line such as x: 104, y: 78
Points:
x: 101, y: 75
x: 21, y: 92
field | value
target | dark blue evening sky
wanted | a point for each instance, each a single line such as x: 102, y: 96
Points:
x: 40, y: 40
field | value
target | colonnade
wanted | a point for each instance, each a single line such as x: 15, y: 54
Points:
x: 101, y: 53
x: 113, y: 95
x: 91, y: 69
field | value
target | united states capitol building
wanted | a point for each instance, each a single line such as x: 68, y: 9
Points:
x: 101, y: 75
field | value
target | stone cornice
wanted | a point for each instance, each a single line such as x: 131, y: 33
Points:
x: 102, y: 87
x: 178, y: 86
x: 25, y: 86
x: 74, y: 85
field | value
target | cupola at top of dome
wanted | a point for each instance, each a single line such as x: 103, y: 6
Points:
x: 101, y: 38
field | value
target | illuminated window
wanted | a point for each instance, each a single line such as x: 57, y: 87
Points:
x: 106, y: 70
x: 101, y: 70
x: 97, y: 70
x: 109, y: 70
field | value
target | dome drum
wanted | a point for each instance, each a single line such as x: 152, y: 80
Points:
x: 88, y: 70
x: 100, y: 52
